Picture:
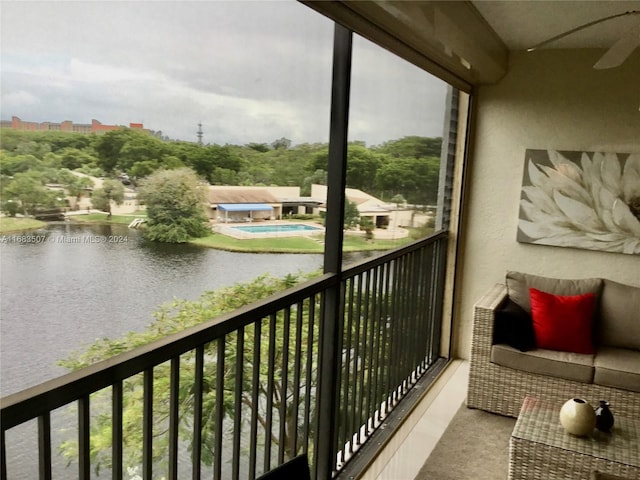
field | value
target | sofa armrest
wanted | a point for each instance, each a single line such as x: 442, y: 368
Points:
x: 480, y: 366
x: 484, y: 313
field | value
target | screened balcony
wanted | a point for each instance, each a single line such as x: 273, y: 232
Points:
x: 340, y: 387
x: 315, y: 370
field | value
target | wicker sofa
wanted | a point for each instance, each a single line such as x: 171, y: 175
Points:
x: 500, y: 376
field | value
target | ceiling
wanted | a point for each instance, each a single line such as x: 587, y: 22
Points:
x: 522, y: 24
x: 467, y: 43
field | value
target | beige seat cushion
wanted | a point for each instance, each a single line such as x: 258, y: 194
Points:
x: 620, y: 315
x: 618, y: 367
x: 570, y: 366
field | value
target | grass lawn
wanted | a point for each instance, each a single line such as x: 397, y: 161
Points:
x: 10, y: 224
x: 352, y: 243
x: 313, y: 244
x: 102, y: 218
x: 261, y: 245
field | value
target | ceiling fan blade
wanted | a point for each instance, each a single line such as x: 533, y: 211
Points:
x: 581, y: 27
x: 618, y: 53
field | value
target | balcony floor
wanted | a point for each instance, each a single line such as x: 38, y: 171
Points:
x: 409, y: 448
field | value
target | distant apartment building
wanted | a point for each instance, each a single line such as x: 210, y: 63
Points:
x: 67, y: 126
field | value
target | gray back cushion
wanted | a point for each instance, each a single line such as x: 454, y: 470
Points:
x: 620, y: 315
x: 518, y: 285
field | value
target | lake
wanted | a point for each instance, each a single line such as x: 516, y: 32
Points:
x: 77, y: 283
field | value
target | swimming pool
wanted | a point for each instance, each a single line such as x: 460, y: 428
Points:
x: 289, y: 227
x: 269, y: 230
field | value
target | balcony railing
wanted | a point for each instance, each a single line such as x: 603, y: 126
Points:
x: 238, y: 395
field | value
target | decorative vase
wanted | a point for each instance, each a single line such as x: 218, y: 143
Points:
x: 578, y: 417
x: 604, y: 417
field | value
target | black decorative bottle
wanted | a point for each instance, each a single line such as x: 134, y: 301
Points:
x: 604, y: 417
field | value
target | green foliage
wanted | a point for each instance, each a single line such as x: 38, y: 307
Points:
x: 366, y: 224
x: 259, y: 147
x: 351, y: 214
x: 175, y: 317
x: 412, y: 146
x: 211, y: 162
x: 56, y: 141
x: 111, y: 191
x: 416, y: 179
x: 121, y: 149
x: 10, y: 207
x: 319, y: 177
x: 408, y: 166
x: 281, y: 143
x: 12, y: 164
x: 27, y: 188
x: 362, y: 165
x: 398, y: 199
x: 73, y: 158
x: 424, y: 230
x: 174, y: 200
x: 302, y: 216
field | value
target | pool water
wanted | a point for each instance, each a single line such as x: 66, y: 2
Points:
x: 290, y: 227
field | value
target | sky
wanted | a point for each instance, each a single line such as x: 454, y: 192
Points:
x: 249, y: 71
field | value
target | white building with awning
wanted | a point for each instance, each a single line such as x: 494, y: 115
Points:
x: 247, y: 204
x: 246, y: 210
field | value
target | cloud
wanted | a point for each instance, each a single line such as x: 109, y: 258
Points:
x: 249, y: 71
x: 17, y: 99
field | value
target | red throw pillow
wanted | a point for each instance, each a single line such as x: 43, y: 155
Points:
x: 563, y: 322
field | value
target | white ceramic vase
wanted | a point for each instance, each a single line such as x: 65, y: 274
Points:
x: 578, y: 417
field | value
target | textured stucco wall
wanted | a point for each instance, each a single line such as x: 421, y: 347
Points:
x: 550, y: 99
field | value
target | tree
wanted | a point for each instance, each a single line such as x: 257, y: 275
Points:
x: 319, y: 177
x: 362, y: 165
x: 283, y: 143
x: 398, y: 200
x: 366, y: 224
x: 258, y: 147
x: 121, y: 149
x: 416, y: 179
x: 412, y: 146
x: 175, y: 205
x: 206, y: 160
x: 75, y: 185
x: 73, y: 158
x: 28, y: 189
x: 351, y: 214
x: 12, y: 164
x: 111, y: 191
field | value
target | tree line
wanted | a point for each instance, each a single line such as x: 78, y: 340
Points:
x: 28, y: 160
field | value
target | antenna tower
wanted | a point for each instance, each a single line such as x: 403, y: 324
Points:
x: 199, y: 133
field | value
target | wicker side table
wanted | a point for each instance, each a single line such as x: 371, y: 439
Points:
x: 540, y: 448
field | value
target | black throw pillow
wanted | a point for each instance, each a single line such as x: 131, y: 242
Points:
x: 513, y: 326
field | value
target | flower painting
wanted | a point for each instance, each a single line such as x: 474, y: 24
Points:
x: 587, y: 200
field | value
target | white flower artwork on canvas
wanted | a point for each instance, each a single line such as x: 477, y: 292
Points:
x: 591, y: 202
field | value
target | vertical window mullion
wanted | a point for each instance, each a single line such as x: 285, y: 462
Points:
x: 330, y: 336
